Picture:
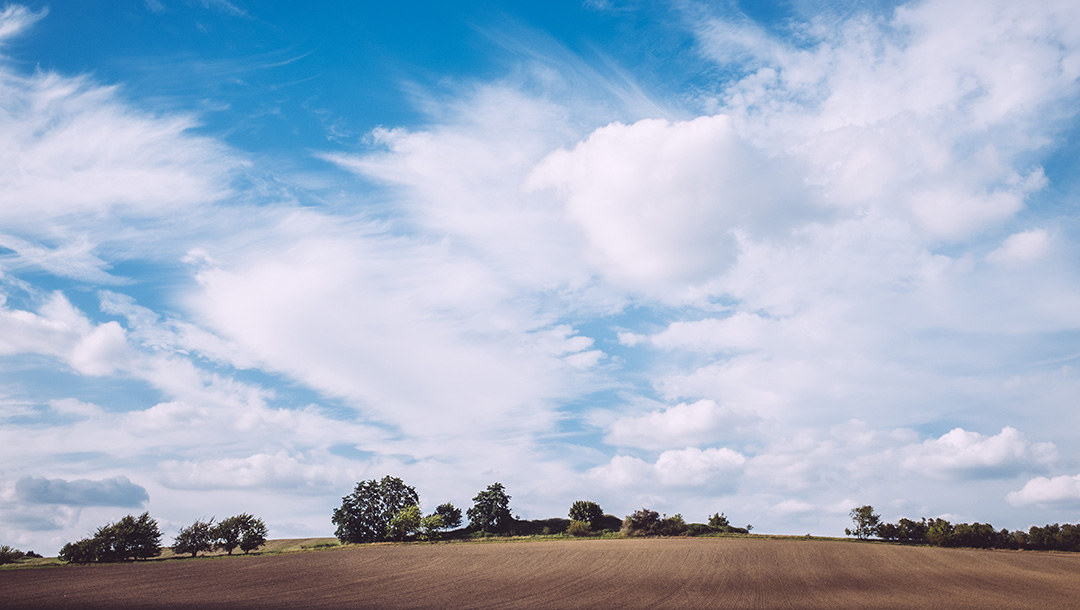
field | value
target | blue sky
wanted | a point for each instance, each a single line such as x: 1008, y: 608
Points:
x: 691, y: 256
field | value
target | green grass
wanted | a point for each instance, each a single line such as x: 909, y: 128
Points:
x: 307, y: 545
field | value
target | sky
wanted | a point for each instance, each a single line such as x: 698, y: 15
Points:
x: 775, y: 260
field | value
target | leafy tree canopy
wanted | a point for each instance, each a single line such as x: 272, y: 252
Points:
x: 589, y: 512
x: 866, y: 522
x: 195, y: 538
x: 365, y: 514
x: 129, y: 538
x: 491, y: 509
x: 451, y: 515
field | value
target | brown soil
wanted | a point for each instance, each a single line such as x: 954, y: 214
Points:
x: 621, y: 573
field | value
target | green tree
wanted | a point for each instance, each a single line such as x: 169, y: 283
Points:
x: 589, y: 512
x: 432, y: 525
x: 10, y: 555
x: 227, y: 534
x: 81, y: 551
x: 404, y: 524
x: 242, y: 531
x: 195, y: 538
x: 866, y: 522
x: 451, y: 515
x: 253, y: 533
x: 365, y: 513
x: 491, y: 509
x: 129, y: 538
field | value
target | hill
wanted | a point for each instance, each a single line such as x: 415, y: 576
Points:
x: 624, y: 573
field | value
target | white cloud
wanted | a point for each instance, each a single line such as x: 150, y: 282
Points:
x: 60, y: 330
x: 960, y: 454
x: 1022, y: 248
x: 658, y: 201
x: 74, y: 150
x: 700, y: 423
x: 75, y: 260
x: 15, y: 18
x: 1060, y: 490
x: 712, y: 468
x: 277, y: 470
x: 412, y: 335
x: 922, y: 115
x: 792, y: 507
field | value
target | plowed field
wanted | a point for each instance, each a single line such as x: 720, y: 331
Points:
x: 664, y: 573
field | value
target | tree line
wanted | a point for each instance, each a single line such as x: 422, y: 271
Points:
x: 389, y: 510
x: 940, y: 532
x: 134, y: 538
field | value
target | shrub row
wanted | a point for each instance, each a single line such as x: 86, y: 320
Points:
x: 940, y: 532
x: 133, y: 538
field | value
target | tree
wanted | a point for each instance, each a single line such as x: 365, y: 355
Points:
x: 866, y: 522
x: 242, y: 531
x: 450, y: 514
x: 128, y: 538
x: 431, y: 525
x: 198, y: 536
x: 404, y: 524
x: 254, y: 533
x: 491, y: 509
x: 227, y: 534
x: 365, y: 513
x: 10, y: 555
x: 590, y: 512
x: 81, y: 551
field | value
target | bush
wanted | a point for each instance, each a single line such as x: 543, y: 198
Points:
x: 608, y: 523
x: 673, y: 526
x: 10, y: 555
x: 81, y: 551
x: 642, y: 522
x: 719, y: 521
x: 536, y: 527
x: 579, y: 528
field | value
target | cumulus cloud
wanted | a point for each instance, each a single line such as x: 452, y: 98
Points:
x: 659, y: 202
x: 960, y: 454
x: 115, y: 491
x: 712, y: 468
x: 59, y: 329
x: 1060, y: 490
x: 1022, y: 248
x: 700, y: 423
